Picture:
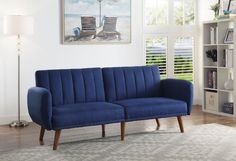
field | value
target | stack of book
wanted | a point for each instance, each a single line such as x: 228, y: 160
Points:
x: 228, y: 58
x: 212, y: 79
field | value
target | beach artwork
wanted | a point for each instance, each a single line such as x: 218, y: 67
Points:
x: 96, y: 21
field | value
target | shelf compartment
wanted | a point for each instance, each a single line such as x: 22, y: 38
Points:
x: 208, y: 61
x: 210, y: 78
x: 211, y: 101
x: 223, y: 76
x: 225, y: 98
x: 222, y: 27
x: 206, y: 31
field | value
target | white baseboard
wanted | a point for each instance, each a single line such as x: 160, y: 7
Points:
x: 5, y: 120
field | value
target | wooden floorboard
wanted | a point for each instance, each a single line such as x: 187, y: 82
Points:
x: 13, y: 138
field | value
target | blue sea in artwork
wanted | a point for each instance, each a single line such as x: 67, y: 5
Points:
x: 120, y: 31
x: 73, y: 21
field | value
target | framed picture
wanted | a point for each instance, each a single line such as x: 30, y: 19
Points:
x: 229, y: 36
x: 96, y: 21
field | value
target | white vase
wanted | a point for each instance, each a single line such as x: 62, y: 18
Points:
x: 229, y: 84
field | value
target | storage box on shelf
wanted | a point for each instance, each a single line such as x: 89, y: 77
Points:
x: 218, y: 68
x: 211, y: 102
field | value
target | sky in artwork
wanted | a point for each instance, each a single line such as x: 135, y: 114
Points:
x: 91, y: 7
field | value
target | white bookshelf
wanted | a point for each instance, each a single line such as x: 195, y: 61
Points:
x: 222, y: 95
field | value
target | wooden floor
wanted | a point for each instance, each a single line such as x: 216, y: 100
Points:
x: 12, y: 138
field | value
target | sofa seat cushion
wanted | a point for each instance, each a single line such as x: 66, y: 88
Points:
x: 149, y: 108
x: 86, y: 114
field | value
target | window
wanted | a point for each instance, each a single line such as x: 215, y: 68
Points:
x: 183, y: 66
x: 170, y: 32
x: 184, y: 12
x: 156, y: 12
x: 156, y: 50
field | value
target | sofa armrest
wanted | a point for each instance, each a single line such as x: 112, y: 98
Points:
x: 40, y: 106
x: 179, y: 90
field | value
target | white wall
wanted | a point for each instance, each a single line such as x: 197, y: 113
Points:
x: 44, y: 51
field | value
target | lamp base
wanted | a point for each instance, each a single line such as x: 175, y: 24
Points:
x: 20, y: 123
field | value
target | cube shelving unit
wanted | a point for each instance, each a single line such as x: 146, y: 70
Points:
x: 219, y: 95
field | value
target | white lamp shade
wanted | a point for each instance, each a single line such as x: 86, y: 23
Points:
x: 18, y: 25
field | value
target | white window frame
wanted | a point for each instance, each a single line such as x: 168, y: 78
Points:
x: 172, y: 32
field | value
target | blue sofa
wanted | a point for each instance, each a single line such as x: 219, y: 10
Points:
x: 74, y: 98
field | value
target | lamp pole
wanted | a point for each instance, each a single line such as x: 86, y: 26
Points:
x: 19, y: 122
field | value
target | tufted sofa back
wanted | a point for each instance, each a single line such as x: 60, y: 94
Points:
x: 131, y: 82
x: 72, y: 86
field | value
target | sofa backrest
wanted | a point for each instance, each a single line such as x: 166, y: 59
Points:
x: 131, y: 82
x: 72, y: 86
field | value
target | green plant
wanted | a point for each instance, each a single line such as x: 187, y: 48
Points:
x: 216, y: 9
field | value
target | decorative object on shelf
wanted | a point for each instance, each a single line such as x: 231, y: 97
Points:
x: 211, y: 100
x: 227, y: 11
x: 216, y: 9
x: 223, y: 61
x: 228, y: 58
x: 229, y: 84
x: 213, y: 35
x: 18, y: 25
x: 228, y: 108
x: 212, y: 54
x: 96, y: 21
x: 229, y: 36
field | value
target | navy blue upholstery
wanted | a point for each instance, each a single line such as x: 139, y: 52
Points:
x: 40, y: 106
x: 179, y: 90
x: 151, y: 108
x: 86, y: 114
x: 85, y: 97
x: 72, y: 86
x: 131, y: 82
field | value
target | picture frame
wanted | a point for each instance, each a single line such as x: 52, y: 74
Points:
x: 96, y: 22
x: 229, y: 36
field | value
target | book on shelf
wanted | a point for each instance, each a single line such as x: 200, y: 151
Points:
x: 228, y: 58
x: 212, y: 79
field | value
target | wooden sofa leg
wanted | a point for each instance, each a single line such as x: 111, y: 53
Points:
x: 122, y: 127
x: 158, y: 124
x: 42, y: 131
x: 180, y: 124
x: 103, y: 131
x: 56, y: 139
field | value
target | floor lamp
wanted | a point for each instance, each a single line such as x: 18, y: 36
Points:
x: 18, y: 25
